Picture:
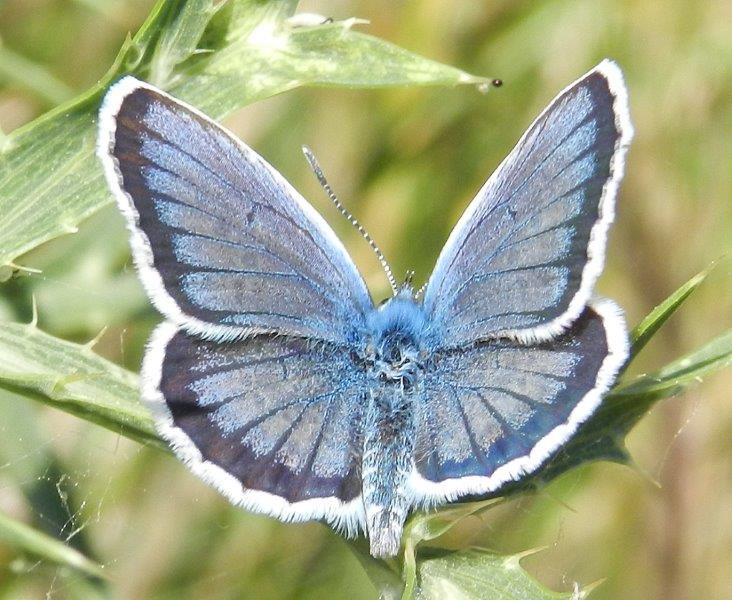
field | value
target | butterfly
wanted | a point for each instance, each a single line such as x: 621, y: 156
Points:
x: 277, y: 380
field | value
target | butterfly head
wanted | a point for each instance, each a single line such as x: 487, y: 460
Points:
x: 394, y: 350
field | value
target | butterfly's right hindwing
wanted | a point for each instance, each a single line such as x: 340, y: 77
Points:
x: 224, y: 245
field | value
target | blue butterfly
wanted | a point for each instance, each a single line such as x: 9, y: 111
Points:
x: 277, y: 380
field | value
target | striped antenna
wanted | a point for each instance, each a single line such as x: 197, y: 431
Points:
x: 351, y: 219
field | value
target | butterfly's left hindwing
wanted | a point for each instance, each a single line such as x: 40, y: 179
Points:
x: 272, y: 422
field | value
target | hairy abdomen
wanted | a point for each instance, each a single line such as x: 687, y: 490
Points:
x: 387, y: 462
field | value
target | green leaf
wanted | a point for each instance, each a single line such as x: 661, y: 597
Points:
x: 648, y: 327
x: 217, y: 57
x: 478, y: 574
x: 4, y: 141
x: 73, y: 378
x: 464, y: 574
x: 26, y: 539
x: 426, y: 526
x: 679, y: 374
x: 180, y: 39
x: 384, y: 574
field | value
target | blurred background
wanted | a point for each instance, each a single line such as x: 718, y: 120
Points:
x: 406, y: 162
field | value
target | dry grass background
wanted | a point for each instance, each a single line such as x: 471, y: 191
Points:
x: 406, y: 162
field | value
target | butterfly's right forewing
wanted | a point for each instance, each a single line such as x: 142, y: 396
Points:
x: 523, y: 259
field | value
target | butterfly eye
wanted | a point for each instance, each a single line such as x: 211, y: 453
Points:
x: 395, y: 355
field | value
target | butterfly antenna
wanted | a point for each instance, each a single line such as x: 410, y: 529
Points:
x: 351, y: 219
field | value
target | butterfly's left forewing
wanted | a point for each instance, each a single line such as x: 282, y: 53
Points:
x: 225, y: 246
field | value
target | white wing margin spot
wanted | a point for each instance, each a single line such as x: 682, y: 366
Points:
x: 429, y: 494
x: 346, y: 517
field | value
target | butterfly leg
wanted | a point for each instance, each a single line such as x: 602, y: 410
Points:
x: 387, y: 462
